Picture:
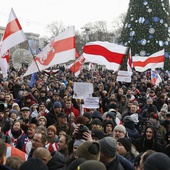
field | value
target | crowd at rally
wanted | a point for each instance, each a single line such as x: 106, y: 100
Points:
x: 41, y: 125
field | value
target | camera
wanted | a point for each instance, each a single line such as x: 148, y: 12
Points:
x: 81, y: 130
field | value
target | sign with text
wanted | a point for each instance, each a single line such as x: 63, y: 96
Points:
x: 82, y: 90
x: 91, y: 102
x: 124, y: 76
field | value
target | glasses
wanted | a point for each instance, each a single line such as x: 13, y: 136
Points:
x: 35, y: 140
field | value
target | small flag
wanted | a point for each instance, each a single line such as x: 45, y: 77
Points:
x: 155, y: 77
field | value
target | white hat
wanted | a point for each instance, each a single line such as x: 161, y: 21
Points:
x: 14, y: 104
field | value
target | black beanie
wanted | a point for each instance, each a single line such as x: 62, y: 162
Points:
x: 88, y: 115
x: 126, y: 143
x: 157, y: 161
x: 33, y: 164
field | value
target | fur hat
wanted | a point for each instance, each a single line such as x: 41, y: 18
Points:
x: 108, y: 146
x: 89, y: 150
x: 33, y: 164
x: 126, y: 143
x: 157, y: 161
x: 121, y: 128
x: 52, y: 128
x: 74, y: 164
x: 91, y: 165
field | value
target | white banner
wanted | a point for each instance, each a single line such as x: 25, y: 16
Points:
x: 124, y: 76
x: 82, y: 90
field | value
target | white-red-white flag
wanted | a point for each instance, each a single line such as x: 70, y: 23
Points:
x: 104, y: 53
x: 13, y: 34
x: 142, y: 64
x: 129, y: 62
x: 77, y: 66
x: 60, y: 50
x: 155, y: 77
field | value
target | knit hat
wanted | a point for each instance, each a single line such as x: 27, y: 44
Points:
x: 88, y: 115
x: 57, y: 105
x: 154, y: 116
x: 112, y: 115
x: 91, y: 165
x: 97, y: 134
x: 126, y: 143
x: 14, y: 104
x: 121, y: 128
x: 33, y: 164
x: 96, y: 114
x: 13, y: 111
x: 53, y: 128
x: 127, y: 119
x: 96, y: 122
x: 108, y: 146
x: 25, y: 109
x: 157, y: 161
x: 74, y: 164
x: 89, y: 150
x: 43, y: 117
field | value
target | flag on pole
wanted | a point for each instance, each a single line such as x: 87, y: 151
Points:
x: 60, y: 50
x: 13, y: 34
x: 155, y: 77
x: 77, y: 66
x: 104, y: 53
x: 156, y: 60
x: 129, y: 62
x: 33, y: 78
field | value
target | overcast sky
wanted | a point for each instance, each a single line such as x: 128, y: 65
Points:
x: 34, y: 15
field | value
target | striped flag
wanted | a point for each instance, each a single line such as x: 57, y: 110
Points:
x: 60, y: 50
x: 155, y: 77
x: 156, y: 60
x: 104, y: 53
x: 77, y: 66
x: 13, y: 34
x: 129, y: 62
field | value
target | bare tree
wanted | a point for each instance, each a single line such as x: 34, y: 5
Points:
x: 55, y: 28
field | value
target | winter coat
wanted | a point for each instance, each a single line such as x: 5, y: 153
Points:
x: 57, y: 162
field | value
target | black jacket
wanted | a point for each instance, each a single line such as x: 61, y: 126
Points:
x: 57, y: 161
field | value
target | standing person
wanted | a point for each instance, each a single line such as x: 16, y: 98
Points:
x: 52, y: 115
x: 108, y: 154
x: 15, y: 133
x: 5, y: 125
x: 69, y: 108
x: 3, y: 150
x: 39, y: 140
x: 148, y: 141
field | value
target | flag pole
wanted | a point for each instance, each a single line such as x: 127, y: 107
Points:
x: 33, y: 56
x: 116, y: 73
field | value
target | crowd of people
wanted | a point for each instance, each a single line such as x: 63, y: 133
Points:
x: 42, y: 126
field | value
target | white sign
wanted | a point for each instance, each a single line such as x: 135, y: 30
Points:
x: 91, y: 102
x: 82, y: 90
x: 124, y: 76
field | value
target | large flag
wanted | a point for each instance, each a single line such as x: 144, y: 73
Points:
x: 104, y: 53
x: 60, y: 50
x: 155, y: 77
x: 13, y: 34
x: 129, y: 62
x: 77, y: 66
x: 156, y: 60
